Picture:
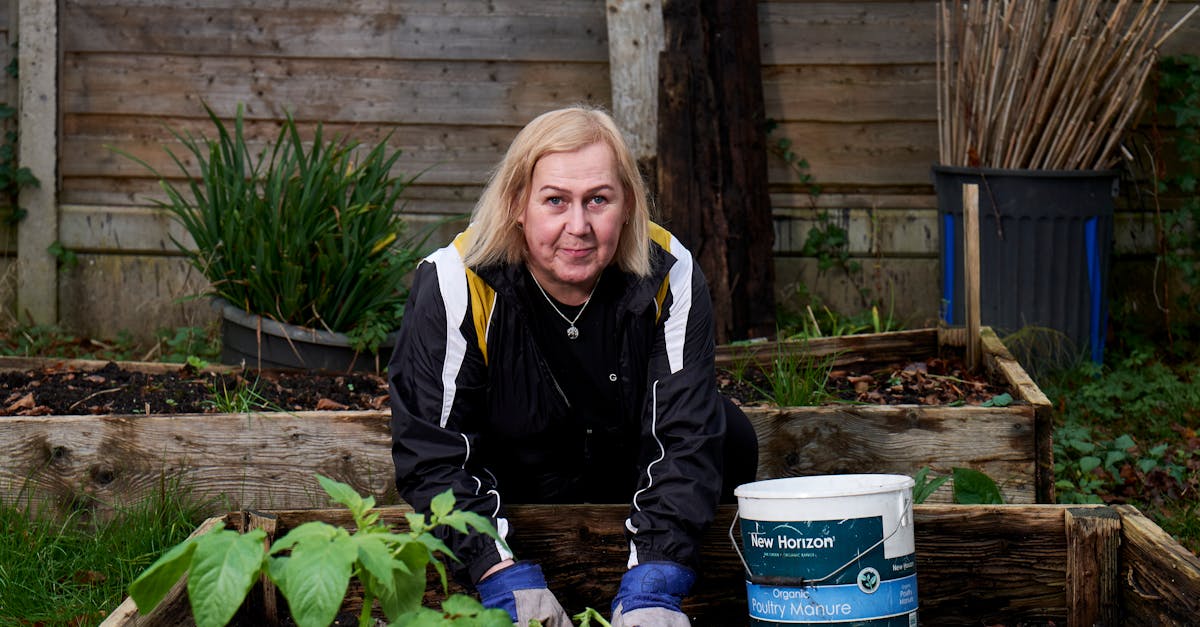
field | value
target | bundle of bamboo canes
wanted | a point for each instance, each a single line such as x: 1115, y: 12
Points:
x: 1036, y: 84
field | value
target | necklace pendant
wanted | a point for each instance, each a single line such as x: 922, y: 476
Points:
x: 572, y: 332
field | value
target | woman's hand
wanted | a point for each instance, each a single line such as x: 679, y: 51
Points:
x: 651, y: 595
x: 520, y: 588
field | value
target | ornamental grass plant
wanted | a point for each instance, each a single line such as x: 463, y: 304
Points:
x: 305, y: 233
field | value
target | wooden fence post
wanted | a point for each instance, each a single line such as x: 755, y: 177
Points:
x: 635, y: 38
x: 37, y: 267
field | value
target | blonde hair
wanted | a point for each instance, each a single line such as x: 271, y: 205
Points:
x: 494, y: 234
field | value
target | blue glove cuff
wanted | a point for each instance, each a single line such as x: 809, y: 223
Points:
x: 654, y: 584
x: 519, y: 576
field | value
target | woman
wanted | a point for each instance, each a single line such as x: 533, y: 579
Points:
x: 561, y: 350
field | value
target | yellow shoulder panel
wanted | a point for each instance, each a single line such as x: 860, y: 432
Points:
x: 483, y: 297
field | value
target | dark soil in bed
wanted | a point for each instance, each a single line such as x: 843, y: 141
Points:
x: 113, y: 390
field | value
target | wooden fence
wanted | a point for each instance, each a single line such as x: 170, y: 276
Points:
x: 851, y: 84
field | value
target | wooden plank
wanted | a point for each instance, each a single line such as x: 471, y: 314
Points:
x: 971, y: 275
x: 976, y: 565
x: 568, y: 30
x: 332, y: 90
x: 37, y: 149
x: 1093, y: 548
x: 847, y: 33
x: 906, y: 288
x: 135, y: 231
x: 844, y: 350
x: 850, y: 93
x: 1160, y: 579
x: 95, y: 463
x: 635, y: 38
x: 989, y: 565
x: 1002, y: 363
x: 900, y: 439
x: 441, y: 155
x: 859, y: 154
x: 869, y: 231
x: 263, y: 597
x: 137, y: 293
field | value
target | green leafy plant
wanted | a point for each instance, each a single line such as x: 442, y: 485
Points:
x: 313, y: 563
x: 970, y: 486
x: 306, y: 233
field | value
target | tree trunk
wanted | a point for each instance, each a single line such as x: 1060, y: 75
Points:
x: 712, y: 171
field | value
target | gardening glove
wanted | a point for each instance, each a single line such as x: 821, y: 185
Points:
x: 521, y: 590
x: 651, y: 594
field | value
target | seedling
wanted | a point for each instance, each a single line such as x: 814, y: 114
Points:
x: 312, y: 565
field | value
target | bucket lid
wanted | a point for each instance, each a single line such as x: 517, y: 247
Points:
x: 822, y: 486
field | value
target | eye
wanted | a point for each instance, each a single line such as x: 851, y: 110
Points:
x: 554, y: 201
x: 598, y: 200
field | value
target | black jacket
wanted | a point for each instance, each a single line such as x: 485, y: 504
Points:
x: 489, y: 419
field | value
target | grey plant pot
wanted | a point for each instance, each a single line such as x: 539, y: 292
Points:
x: 253, y: 341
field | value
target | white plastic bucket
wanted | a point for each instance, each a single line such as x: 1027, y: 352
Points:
x: 829, y: 549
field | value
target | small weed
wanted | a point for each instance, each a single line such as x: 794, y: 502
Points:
x: 797, y: 379
x: 243, y: 398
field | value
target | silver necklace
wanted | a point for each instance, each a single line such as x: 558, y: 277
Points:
x: 572, y: 331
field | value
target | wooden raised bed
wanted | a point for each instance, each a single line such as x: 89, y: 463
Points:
x: 267, y: 460
x: 1010, y: 444
x: 976, y: 565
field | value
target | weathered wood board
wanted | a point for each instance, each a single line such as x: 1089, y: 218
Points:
x: 976, y: 565
x: 267, y: 460
x: 1010, y: 444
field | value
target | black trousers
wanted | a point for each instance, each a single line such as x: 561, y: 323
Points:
x: 741, y: 451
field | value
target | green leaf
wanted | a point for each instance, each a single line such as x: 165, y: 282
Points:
x: 152, y: 585
x: 416, y: 521
x: 315, y: 578
x: 224, y: 566
x: 345, y: 495
x: 1089, y: 463
x: 408, y: 588
x: 376, y: 559
x: 922, y: 489
x: 1125, y: 442
x: 311, y: 531
x: 462, y: 605
x: 972, y: 487
x: 442, y: 504
x: 999, y: 400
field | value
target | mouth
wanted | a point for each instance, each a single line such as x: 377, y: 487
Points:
x: 575, y: 253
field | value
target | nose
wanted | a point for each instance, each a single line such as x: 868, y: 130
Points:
x: 577, y: 220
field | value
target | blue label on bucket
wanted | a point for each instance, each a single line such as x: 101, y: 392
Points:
x: 815, y: 549
x: 833, y: 604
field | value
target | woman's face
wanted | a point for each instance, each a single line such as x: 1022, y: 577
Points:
x: 572, y: 220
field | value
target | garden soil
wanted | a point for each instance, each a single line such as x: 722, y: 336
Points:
x: 113, y: 390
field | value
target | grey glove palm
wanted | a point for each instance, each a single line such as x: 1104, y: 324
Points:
x: 650, y: 617
x: 521, y: 590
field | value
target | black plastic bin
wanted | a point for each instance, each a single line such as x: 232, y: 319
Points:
x: 1045, y: 243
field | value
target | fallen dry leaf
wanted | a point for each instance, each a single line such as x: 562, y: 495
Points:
x: 325, y: 404
x: 25, y: 402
